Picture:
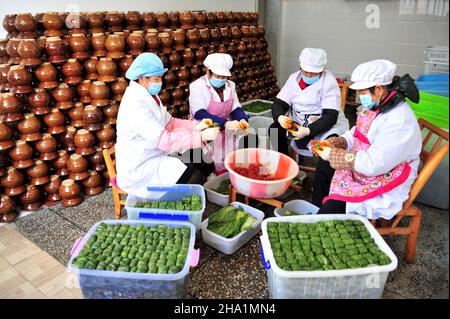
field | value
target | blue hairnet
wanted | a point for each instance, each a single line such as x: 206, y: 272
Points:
x: 146, y: 64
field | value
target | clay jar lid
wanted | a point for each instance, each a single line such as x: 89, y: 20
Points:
x: 106, y: 136
x: 26, y: 25
x: 60, y: 163
x: 118, y: 88
x: 29, y: 52
x: 21, y: 154
x: 55, y: 122
x: 7, y: 206
x: 76, y: 115
x: 39, y: 101
x: 193, y: 37
x: 183, y: 76
x: 110, y: 113
x: 98, y: 44
x: 63, y: 95
x: 136, y: 43
x: 115, y: 44
x: 70, y: 193
x: 125, y: 63
x: 83, y: 91
x: 72, y: 72
x: 78, y: 167
x: 84, y: 141
x: 106, y: 69
x: 12, y: 182
x: 38, y: 173
x: 90, y: 65
x: 166, y: 42
x: 56, y: 50
x: 20, y: 79
x: 47, y: 147
x: 92, y: 117
x: 99, y: 93
x: 47, y: 76
x: 29, y: 128
x: 52, y: 188
x: 93, y: 183
x: 53, y: 24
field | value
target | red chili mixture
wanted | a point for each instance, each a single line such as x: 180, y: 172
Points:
x: 255, y: 171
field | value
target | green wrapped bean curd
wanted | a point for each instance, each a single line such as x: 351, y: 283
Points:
x: 325, y: 245
x: 192, y: 203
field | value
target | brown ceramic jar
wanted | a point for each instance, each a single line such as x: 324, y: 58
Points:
x: 53, y: 24
x: 12, y: 182
x: 39, y: 101
x: 76, y: 115
x: 26, y: 25
x: 178, y: 40
x: 164, y: 96
x: 29, y: 52
x: 4, y: 84
x: 78, y: 167
x: 79, y: 45
x: 118, y: 88
x: 97, y: 161
x: 125, y: 63
x: 46, y: 146
x: 90, y: 65
x: 152, y: 42
x: 72, y: 72
x: 187, y: 20
x: 200, y: 19
x: 41, y: 42
x: 63, y: 96
x: 29, y: 128
x: 8, y: 212
x: 47, y: 76
x: 215, y: 36
x: 92, y: 117
x: 95, y: 22
x: 148, y: 20
x: 56, y: 50
x: 55, y: 122
x: 225, y: 34
x: 60, y: 163
x: 21, y: 155
x: 31, y: 199
x: 110, y: 113
x: 93, y: 184
x: 230, y: 18
x: 221, y: 18
x: 133, y: 20
x: 163, y: 20
x: 11, y: 49
x: 211, y: 18
x: 83, y: 91
x: 136, y: 43
x: 204, y: 37
x: 115, y: 45
x: 177, y: 96
x: 11, y: 107
x: 8, y: 23
x: 106, y: 69
x: 195, y: 72
x: 183, y: 77
x: 114, y: 21
x: 200, y: 56
x: 84, y: 141
x: 174, y: 60
x: 70, y: 192
x: 5, y: 137
x: 193, y: 38
x: 20, y: 79
x: 75, y: 23
x: 98, y: 44
x: 187, y: 57
x: 166, y: 42
x: 67, y: 139
x: 106, y: 136
x: 99, y: 93
x: 52, y: 189
x: 38, y: 173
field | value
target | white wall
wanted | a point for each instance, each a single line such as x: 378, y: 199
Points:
x: 407, y: 27
x: 33, y: 6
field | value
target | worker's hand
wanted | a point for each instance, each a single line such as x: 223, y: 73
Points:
x: 324, y: 153
x: 285, y: 122
x: 321, y: 144
x: 244, y: 125
x: 204, y: 124
x: 300, y: 133
x: 210, y: 134
x: 232, y: 125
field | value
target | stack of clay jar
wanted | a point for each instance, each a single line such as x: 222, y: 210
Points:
x: 62, y: 80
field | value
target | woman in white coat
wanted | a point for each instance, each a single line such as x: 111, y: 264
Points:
x: 376, y: 161
x: 147, y: 133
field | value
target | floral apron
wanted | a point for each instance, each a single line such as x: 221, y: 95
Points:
x: 350, y: 186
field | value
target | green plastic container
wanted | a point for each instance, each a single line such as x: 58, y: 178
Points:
x: 433, y: 108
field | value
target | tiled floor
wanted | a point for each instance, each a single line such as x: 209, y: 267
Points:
x: 26, y: 271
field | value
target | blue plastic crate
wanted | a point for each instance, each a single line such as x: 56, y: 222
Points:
x: 432, y: 78
x: 166, y: 194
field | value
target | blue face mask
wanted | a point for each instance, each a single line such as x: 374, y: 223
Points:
x: 154, y: 88
x: 366, y: 101
x: 217, y: 83
x: 311, y: 80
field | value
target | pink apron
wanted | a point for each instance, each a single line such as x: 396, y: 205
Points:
x: 350, y: 186
x: 226, y: 141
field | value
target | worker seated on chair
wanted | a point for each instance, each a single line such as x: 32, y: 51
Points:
x: 147, y: 133
x: 374, y: 165
x: 312, y: 100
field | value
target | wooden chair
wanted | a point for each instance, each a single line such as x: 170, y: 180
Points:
x: 344, y: 86
x: 430, y: 161
x: 118, y: 194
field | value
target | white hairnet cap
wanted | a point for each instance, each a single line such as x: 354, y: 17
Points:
x: 313, y: 60
x: 376, y: 72
x: 219, y: 63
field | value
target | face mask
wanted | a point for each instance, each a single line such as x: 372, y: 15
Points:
x: 217, y: 83
x: 366, y: 101
x: 311, y: 80
x: 154, y: 88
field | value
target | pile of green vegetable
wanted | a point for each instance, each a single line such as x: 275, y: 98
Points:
x: 138, y: 249
x: 193, y: 203
x: 223, y: 187
x: 325, y: 245
x: 291, y: 213
x: 230, y: 221
x: 257, y: 107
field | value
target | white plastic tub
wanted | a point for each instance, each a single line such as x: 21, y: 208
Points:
x: 267, y: 113
x: 210, y: 189
x: 360, y: 283
x: 230, y: 245
x: 296, y: 205
x: 435, y: 67
x: 104, y: 284
x: 171, y: 193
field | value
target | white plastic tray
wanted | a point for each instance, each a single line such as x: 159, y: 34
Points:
x: 296, y: 205
x: 267, y: 113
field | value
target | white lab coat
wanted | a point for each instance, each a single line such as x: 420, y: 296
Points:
x: 200, y: 95
x: 395, y: 138
x: 324, y: 94
x: 139, y: 162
